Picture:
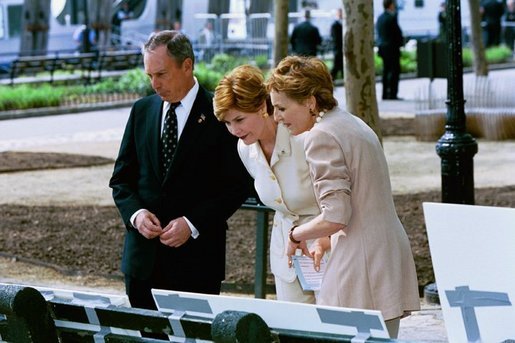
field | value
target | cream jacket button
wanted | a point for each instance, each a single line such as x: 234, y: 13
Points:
x: 279, y: 201
x: 272, y: 177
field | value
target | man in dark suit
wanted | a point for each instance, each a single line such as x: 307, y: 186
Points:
x: 337, y: 38
x: 305, y: 37
x: 491, y: 14
x: 176, y: 215
x: 390, y: 40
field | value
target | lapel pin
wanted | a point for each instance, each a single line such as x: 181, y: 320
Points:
x: 202, y: 118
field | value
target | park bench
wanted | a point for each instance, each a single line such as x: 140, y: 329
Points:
x: 32, y: 65
x: 119, y: 60
x: 44, y: 315
x: 91, y: 65
x: 84, y: 62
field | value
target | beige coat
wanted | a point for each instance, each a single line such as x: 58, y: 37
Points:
x: 371, y: 266
x: 285, y: 186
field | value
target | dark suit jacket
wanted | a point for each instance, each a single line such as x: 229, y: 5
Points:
x: 305, y: 39
x: 206, y: 183
x: 389, y: 33
x: 337, y: 36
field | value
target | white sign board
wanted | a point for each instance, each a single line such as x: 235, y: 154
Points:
x: 90, y: 301
x: 278, y: 314
x: 473, y: 254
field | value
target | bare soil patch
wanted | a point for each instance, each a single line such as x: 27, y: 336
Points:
x: 14, y: 161
x: 88, y: 240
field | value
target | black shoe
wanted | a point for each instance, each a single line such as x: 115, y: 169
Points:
x: 393, y: 98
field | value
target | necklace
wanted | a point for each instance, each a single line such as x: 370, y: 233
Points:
x: 319, y: 116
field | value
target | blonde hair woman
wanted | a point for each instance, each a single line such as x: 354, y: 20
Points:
x: 276, y: 161
x: 371, y: 264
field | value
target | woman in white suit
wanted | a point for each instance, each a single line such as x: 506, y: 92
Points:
x: 371, y: 264
x: 276, y: 160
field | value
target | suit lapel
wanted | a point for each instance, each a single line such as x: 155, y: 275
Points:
x: 154, y: 134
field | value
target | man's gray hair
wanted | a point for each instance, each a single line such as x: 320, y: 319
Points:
x: 178, y: 45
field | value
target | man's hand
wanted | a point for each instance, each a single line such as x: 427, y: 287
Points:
x: 148, y: 225
x: 176, y: 233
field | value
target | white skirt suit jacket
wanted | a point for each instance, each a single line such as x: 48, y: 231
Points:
x: 285, y: 186
x: 371, y: 265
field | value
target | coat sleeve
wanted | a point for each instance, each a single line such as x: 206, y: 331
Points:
x: 125, y: 175
x: 330, y: 175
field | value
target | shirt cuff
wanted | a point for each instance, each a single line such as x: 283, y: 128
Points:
x: 194, y: 231
x: 133, y: 217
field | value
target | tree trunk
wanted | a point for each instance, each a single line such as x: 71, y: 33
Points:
x: 101, y: 12
x: 478, y: 48
x: 168, y: 12
x: 359, y: 68
x: 35, y: 24
x: 281, y: 31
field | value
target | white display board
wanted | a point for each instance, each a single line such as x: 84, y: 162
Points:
x: 473, y: 254
x: 361, y: 324
x: 90, y: 301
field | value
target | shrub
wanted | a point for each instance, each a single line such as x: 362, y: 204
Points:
x: 262, y: 62
x: 222, y: 63
x: 25, y: 96
x: 498, y: 54
x: 408, y: 61
x: 135, y: 81
x: 467, y: 57
x: 207, y: 77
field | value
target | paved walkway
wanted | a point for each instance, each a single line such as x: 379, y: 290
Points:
x: 414, y: 166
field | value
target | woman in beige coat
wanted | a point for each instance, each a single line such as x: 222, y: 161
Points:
x: 371, y: 265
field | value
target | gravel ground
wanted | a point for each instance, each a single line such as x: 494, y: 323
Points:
x: 59, y: 193
x: 37, y: 204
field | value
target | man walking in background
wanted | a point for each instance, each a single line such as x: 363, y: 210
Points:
x: 337, y: 39
x: 491, y: 14
x: 390, y: 40
x: 305, y: 37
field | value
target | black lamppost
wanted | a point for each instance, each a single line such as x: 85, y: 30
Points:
x: 456, y: 147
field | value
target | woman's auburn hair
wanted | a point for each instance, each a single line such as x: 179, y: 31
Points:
x: 300, y: 77
x: 243, y: 89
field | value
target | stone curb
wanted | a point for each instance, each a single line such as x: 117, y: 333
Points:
x: 48, y: 111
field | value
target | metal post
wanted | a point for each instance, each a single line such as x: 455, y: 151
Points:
x: 261, y: 248
x: 456, y: 147
x: 260, y: 271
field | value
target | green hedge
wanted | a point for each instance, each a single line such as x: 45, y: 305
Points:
x: 137, y: 82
